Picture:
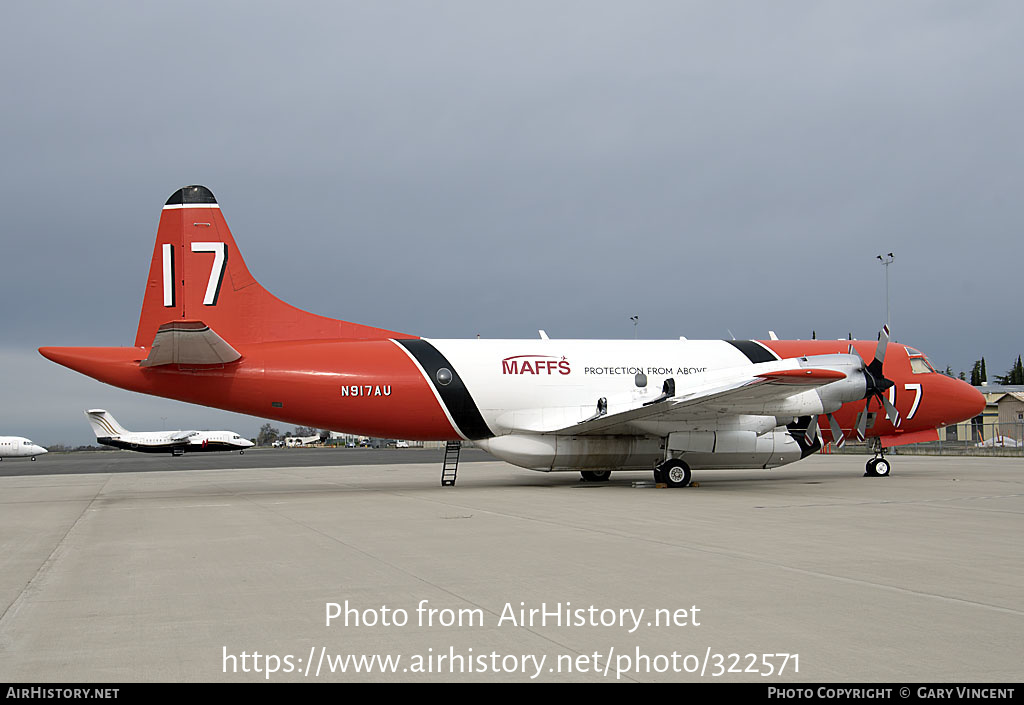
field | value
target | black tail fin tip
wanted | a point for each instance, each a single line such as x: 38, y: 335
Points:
x: 191, y: 194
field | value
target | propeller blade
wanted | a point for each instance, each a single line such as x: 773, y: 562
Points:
x: 862, y: 423
x: 812, y: 434
x: 883, y: 342
x: 890, y: 410
x: 838, y: 439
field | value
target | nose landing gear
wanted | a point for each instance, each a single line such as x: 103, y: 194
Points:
x: 877, y: 466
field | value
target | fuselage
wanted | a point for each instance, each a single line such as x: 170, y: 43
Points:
x: 493, y: 388
x: 19, y: 447
x: 169, y: 441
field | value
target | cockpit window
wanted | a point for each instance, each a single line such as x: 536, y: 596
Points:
x: 919, y: 364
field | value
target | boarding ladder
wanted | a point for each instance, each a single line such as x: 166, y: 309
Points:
x: 451, y: 463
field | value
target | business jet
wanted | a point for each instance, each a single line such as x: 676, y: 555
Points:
x: 18, y: 447
x: 210, y: 334
x: 110, y: 433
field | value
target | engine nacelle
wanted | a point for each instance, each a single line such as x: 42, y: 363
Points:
x: 734, y: 449
x: 837, y: 393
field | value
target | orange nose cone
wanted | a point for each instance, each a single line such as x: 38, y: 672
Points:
x: 972, y: 401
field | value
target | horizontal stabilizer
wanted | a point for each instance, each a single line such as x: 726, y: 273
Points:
x: 188, y: 343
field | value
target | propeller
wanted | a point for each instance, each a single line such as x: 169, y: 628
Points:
x: 876, y: 385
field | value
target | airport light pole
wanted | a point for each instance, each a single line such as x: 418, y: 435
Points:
x: 886, y: 260
x: 636, y: 322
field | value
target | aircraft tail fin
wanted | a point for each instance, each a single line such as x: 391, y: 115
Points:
x: 103, y: 424
x: 197, y: 273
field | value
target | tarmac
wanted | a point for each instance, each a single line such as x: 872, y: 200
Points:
x: 357, y: 566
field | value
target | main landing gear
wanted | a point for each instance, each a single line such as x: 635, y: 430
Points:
x: 595, y: 475
x: 673, y: 472
x: 877, y: 466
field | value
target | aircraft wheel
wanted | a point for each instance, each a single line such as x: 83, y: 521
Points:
x: 676, y: 473
x: 241, y: 452
x: 33, y: 457
x: 595, y: 475
x: 882, y: 468
x: 869, y: 468
x: 659, y: 476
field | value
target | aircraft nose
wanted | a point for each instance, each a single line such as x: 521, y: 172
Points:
x: 968, y: 402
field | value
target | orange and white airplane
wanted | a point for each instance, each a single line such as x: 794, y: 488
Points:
x: 210, y: 334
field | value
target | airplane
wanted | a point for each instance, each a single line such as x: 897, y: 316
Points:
x: 295, y: 441
x: 110, y: 433
x: 210, y: 334
x: 18, y: 447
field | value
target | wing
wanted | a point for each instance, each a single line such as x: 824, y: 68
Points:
x: 743, y: 394
x: 182, y: 436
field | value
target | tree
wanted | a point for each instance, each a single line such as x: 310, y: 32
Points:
x: 1014, y: 376
x: 978, y: 374
x: 267, y: 435
x: 302, y: 431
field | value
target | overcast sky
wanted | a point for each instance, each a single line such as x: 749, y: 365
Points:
x: 450, y: 169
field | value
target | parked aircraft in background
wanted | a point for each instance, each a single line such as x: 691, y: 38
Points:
x: 210, y: 334
x: 110, y: 433
x: 295, y: 441
x: 301, y: 440
x: 18, y: 447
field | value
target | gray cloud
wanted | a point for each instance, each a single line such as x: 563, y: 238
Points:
x: 708, y: 166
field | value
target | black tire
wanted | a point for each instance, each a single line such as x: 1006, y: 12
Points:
x: 869, y: 468
x: 675, y: 472
x: 241, y: 452
x: 595, y: 475
x: 659, y: 476
x: 33, y: 457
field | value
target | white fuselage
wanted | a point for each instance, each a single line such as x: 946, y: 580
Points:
x: 528, y: 389
x: 19, y: 447
x: 168, y: 440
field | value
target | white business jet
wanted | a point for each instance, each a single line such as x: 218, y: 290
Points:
x: 110, y: 433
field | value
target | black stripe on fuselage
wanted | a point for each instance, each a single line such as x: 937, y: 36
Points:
x: 455, y: 396
x: 754, y: 351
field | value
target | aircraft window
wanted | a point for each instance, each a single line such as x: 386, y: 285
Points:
x: 920, y: 365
